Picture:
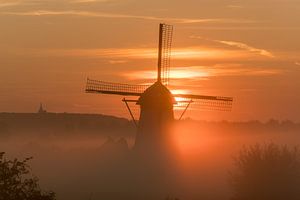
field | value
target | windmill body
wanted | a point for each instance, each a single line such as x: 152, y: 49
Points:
x: 156, y: 105
x: 156, y: 101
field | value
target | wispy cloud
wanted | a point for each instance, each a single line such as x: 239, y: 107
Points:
x: 245, y: 27
x: 204, y: 72
x: 235, y: 6
x: 243, y: 71
x: 16, y: 3
x: 125, y: 16
x: 240, y: 45
x: 89, y: 1
x: 8, y: 4
x: 175, y: 73
x: 113, y: 62
x: 244, y: 46
x: 115, y: 54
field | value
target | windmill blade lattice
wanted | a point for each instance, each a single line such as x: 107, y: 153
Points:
x: 166, y: 45
x: 95, y: 86
x: 203, y: 102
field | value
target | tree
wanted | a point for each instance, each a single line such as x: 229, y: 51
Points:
x: 17, y: 183
x: 266, y: 172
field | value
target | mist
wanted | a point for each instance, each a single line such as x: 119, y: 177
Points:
x: 93, y: 163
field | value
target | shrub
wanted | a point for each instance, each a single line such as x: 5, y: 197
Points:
x: 266, y: 172
x: 17, y: 183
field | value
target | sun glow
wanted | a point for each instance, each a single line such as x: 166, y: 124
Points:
x: 177, y: 53
x: 178, y: 91
x: 186, y: 140
x: 179, y: 73
x: 196, y: 53
x: 191, y: 141
x: 175, y: 73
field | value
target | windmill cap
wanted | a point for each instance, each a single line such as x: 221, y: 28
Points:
x: 156, y: 94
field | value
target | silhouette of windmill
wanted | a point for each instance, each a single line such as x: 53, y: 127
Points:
x: 156, y: 101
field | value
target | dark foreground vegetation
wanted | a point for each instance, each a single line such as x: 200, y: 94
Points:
x: 262, y: 172
x: 75, y: 158
x: 17, y: 182
x: 266, y: 172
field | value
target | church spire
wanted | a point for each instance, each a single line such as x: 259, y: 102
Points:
x: 41, y: 109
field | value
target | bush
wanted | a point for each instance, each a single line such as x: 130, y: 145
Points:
x: 266, y: 172
x: 17, y: 183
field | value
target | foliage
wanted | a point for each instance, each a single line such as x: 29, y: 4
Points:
x: 17, y: 183
x: 267, y: 172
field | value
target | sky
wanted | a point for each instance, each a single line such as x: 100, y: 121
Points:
x: 248, y: 50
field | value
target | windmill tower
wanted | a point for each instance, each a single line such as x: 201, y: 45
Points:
x: 156, y: 101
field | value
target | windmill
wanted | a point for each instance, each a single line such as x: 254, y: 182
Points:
x: 156, y: 101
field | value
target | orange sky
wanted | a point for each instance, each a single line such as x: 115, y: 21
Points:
x: 245, y: 49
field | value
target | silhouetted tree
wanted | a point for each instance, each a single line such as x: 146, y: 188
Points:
x: 17, y: 183
x: 267, y: 172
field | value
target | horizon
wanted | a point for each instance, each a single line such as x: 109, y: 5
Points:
x: 183, y: 119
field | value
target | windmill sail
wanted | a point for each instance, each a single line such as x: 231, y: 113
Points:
x: 95, y: 86
x: 204, y: 102
x: 204, y: 97
x: 164, y: 52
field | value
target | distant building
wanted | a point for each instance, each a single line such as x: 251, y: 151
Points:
x: 41, y: 109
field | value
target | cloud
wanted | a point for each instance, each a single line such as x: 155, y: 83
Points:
x: 297, y: 63
x: 125, y: 16
x: 89, y: 1
x: 204, y: 72
x: 175, y: 73
x: 240, y: 45
x: 116, y: 54
x: 113, y: 62
x: 13, y: 3
x: 8, y: 4
x: 235, y: 6
x: 244, y: 46
x: 18, y: 3
x: 243, y: 71
x: 246, y: 27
